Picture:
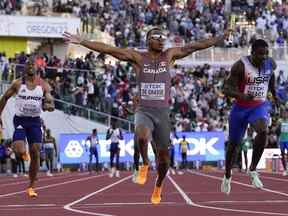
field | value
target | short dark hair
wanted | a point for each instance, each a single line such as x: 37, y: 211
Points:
x: 151, y: 30
x: 258, y: 44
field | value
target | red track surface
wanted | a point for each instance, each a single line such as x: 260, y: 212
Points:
x: 194, y: 193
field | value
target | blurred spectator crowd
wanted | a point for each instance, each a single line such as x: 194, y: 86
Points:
x: 197, y: 102
x: 128, y: 20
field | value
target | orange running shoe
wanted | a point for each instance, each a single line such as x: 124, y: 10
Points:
x: 142, y: 175
x: 26, y: 156
x: 156, y: 195
x: 31, y: 193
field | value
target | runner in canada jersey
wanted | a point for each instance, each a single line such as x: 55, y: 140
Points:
x: 154, y: 81
x: 249, y: 81
x: 32, y: 96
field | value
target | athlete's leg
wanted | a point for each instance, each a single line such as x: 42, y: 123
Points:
x: 172, y: 160
x: 144, y: 128
x: 47, y: 159
x: 19, y: 137
x: 34, y: 151
x: 90, y: 161
x: 259, y: 144
x: 117, y: 158
x: 154, y: 149
x: 34, y: 139
x: 182, y: 160
x: 246, y: 160
x: 283, y: 159
x: 259, y: 119
x: 19, y: 150
x: 239, y: 158
x: 185, y: 159
x: 136, y: 155
x: 117, y: 174
x: 143, y: 135
x: 112, y: 154
x: 22, y: 165
x: 51, y: 157
x: 237, y: 128
x: 19, y: 147
x: 97, y: 160
x: 163, y: 165
x: 161, y: 136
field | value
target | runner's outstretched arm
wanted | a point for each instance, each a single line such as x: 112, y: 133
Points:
x: 122, y: 54
x: 181, y: 52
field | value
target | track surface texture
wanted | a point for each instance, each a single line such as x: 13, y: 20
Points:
x: 193, y: 193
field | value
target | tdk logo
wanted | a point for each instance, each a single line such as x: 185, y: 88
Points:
x: 201, y: 146
x: 73, y: 149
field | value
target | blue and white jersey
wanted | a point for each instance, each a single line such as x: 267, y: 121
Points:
x: 29, y: 102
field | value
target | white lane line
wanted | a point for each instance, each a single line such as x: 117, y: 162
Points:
x: 52, y: 185
x: 239, y: 183
x: 123, y: 204
x: 182, y: 193
x: 270, y: 177
x: 190, y: 202
x: 69, y: 208
x: 262, y: 176
x: 27, y: 205
x: 274, y: 178
x: 20, y: 210
x: 245, y: 201
x: 40, y: 180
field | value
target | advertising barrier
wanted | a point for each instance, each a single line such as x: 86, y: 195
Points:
x: 32, y: 26
x: 268, y: 154
x: 203, y: 146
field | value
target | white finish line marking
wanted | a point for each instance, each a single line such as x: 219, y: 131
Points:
x: 190, y: 202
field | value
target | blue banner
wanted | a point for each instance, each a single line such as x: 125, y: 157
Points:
x: 203, y: 146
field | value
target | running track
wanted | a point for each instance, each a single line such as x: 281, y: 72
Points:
x: 194, y: 193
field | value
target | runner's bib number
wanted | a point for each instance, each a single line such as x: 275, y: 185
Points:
x: 258, y: 91
x: 153, y: 91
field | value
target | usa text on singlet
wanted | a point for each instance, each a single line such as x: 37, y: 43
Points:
x: 154, y: 82
x: 29, y: 102
x: 256, y: 82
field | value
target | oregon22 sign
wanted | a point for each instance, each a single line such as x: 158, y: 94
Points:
x: 203, y: 146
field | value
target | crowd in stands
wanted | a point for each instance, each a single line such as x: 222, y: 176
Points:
x: 24, y: 7
x: 197, y: 102
x: 127, y: 20
x: 10, y: 7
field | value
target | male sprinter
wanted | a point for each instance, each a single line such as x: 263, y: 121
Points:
x: 30, y: 90
x: 154, y: 83
x: 248, y: 82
